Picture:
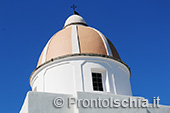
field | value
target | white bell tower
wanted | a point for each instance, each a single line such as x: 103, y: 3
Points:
x: 80, y: 58
x: 79, y: 62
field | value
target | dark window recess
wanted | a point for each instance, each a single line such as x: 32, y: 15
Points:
x: 97, y: 82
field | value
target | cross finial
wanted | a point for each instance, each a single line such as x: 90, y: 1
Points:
x: 74, y: 7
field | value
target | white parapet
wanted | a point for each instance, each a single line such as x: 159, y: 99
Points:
x: 41, y: 102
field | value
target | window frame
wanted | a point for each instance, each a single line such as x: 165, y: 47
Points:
x: 103, y: 76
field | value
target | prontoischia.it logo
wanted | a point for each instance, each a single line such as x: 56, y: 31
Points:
x: 130, y: 102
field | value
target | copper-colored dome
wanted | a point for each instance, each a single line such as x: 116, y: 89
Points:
x: 74, y: 39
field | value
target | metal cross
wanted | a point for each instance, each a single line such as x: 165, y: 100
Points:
x: 74, y: 7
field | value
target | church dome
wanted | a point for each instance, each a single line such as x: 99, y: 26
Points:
x: 77, y: 38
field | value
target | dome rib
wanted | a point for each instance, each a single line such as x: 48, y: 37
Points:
x: 109, y: 53
x: 60, y: 45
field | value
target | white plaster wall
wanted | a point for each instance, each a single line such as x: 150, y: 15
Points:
x: 116, y: 76
x: 59, y: 78
x: 94, y: 66
x: 72, y: 74
x: 24, y: 108
x: 40, y: 102
x: 122, y: 82
x: 38, y: 81
x: 78, y: 74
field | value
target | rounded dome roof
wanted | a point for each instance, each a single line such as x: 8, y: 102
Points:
x: 74, y: 19
x: 77, y: 39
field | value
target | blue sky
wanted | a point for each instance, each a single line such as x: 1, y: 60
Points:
x: 139, y: 29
